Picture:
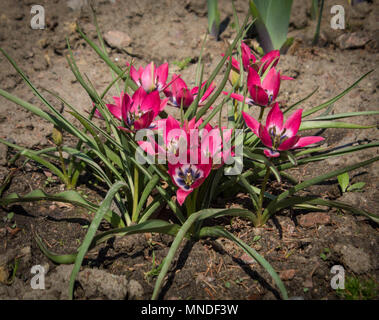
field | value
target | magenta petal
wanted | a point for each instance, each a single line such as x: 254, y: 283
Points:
x: 305, y: 141
x: 181, y: 195
x: 251, y: 123
x: 138, y: 97
x: 272, y: 82
x: 134, y: 74
x: 293, y: 123
x: 151, y: 102
x: 184, y: 97
x: 118, y: 100
x: 282, y: 77
x: 114, y: 110
x: 177, y: 85
x: 235, y: 63
x: 147, y: 77
x: 264, y: 136
x: 271, y: 153
x: 245, y: 50
x: 195, y: 91
x: 125, y: 107
x: 144, y: 121
x: 253, y: 78
x: 125, y: 129
x: 162, y: 74
x: 275, y: 118
x: 150, y: 146
x: 238, y: 97
x: 98, y: 114
x: 269, y: 57
x: 208, y: 92
x: 163, y: 104
x: 258, y: 95
x: 288, y: 143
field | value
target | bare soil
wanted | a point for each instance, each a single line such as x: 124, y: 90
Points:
x: 303, y: 253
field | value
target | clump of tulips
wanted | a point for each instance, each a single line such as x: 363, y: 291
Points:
x: 142, y: 153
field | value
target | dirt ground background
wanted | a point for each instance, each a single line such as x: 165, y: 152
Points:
x: 301, y: 247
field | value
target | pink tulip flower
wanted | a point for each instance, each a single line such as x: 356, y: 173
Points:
x: 277, y: 136
x: 179, y: 93
x: 137, y: 112
x: 150, y: 78
x: 188, y: 177
x: 262, y: 92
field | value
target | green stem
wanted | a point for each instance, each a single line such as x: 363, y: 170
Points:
x: 261, y: 196
x: 63, y: 166
x: 261, y: 114
x: 135, y: 198
x: 317, y: 33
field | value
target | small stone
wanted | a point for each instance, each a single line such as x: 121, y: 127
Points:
x: 246, y: 259
x: 4, y: 274
x: 352, y: 40
x: 355, y: 259
x: 135, y: 290
x: 287, y: 274
x: 117, y: 39
x: 76, y: 5
x: 314, y: 218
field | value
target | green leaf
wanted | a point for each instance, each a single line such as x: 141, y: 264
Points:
x: 346, y: 115
x: 336, y: 98
x: 32, y: 155
x: 37, y: 111
x: 106, y: 59
x: 308, y: 125
x: 171, y: 253
x: 213, y: 18
x: 63, y: 122
x: 69, y: 196
x: 158, y: 226
x: 356, y: 186
x: 343, y: 180
x: 274, y: 205
x: 103, y: 209
x: 272, y: 22
x: 300, y: 101
x: 344, y: 206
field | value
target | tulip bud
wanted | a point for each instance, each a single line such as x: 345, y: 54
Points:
x: 234, y: 77
x: 57, y: 136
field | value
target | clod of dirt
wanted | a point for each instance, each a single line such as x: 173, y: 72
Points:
x: 357, y: 200
x: 355, y: 259
x: 135, y: 290
x: 117, y: 39
x: 287, y: 274
x: 97, y: 283
x: 4, y: 274
x: 313, y: 219
x: 352, y: 40
x: 76, y: 5
x: 199, y: 7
